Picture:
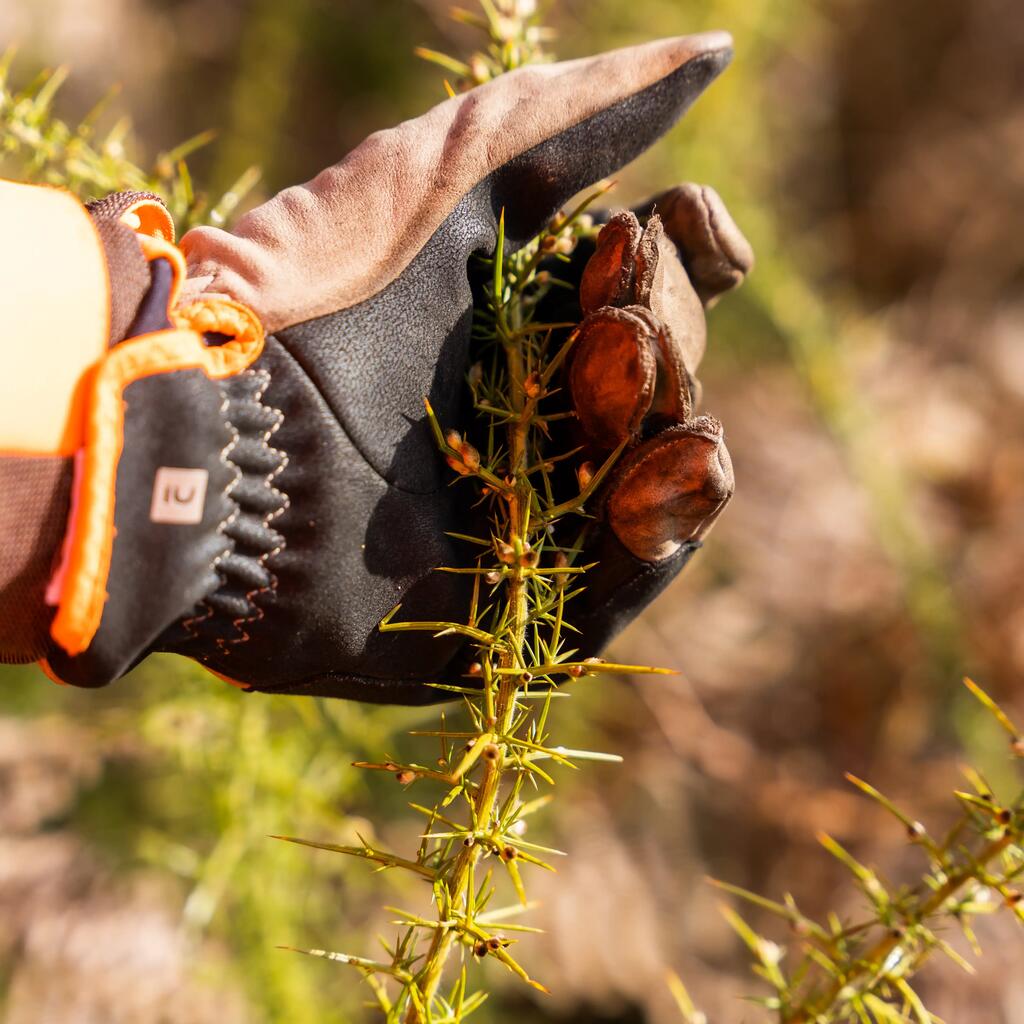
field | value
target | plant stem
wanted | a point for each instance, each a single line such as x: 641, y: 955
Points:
x: 879, y: 953
x: 516, y: 529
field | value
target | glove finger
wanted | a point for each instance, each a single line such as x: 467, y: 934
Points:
x: 669, y: 490
x: 715, y: 253
x: 539, y: 134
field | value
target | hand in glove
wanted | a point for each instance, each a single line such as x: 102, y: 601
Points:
x: 273, y: 499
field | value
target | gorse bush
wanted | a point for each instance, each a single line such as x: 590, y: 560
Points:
x: 38, y: 146
x: 861, y: 973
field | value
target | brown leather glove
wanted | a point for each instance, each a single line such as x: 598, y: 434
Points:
x: 328, y: 505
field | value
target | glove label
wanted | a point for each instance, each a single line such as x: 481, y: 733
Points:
x: 179, y: 495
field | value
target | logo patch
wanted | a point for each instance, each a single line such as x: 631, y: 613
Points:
x: 179, y: 495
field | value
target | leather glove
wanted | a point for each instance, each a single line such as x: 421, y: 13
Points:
x: 275, y: 497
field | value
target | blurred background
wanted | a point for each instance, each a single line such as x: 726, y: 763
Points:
x: 870, y: 376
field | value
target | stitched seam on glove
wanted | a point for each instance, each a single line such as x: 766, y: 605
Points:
x: 250, y: 525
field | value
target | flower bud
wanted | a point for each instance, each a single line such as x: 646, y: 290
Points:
x: 470, y: 456
x: 506, y: 553
x: 478, y: 70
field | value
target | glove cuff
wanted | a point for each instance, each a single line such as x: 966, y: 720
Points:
x: 155, y: 474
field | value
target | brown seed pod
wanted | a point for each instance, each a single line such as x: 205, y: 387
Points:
x: 675, y: 390
x: 670, y: 489
x: 608, y: 276
x: 405, y: 776
x: 613, y: 373
x: 509, y: 853
x: 480, y: 949
x: 663, y: 287
x: 491, y: 752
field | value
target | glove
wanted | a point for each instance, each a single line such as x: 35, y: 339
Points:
x: 277, y: 490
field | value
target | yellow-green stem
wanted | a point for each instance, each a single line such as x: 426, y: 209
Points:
x: 881, y: 950
x: 517, y: 525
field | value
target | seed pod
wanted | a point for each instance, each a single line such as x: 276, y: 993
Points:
x: 405, y: 777
x: 609, y: 274
x: 480, y: 949
x: 662, y: 286
x: 475, y: 669
x: 613, y: 373
x: 670, y: 489
x: 491, y: 752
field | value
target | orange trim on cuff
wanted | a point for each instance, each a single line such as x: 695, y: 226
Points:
x: 148, y: 217
x: 44, y: 667
x: 227, y: 679
x: 89, y: 552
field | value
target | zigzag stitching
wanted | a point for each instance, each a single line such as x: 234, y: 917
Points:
x: 257, y: 613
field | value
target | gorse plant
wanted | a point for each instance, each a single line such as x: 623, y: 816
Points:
x: 861, y: 973
x: 38, y: 146
x: 490, y: 772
